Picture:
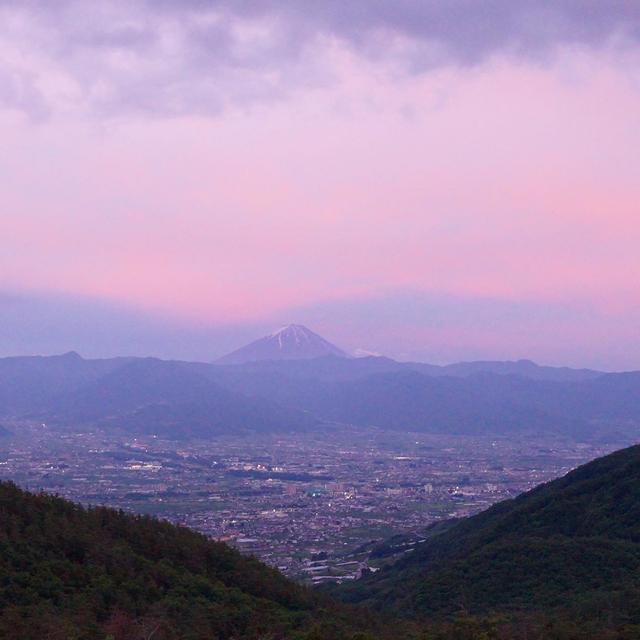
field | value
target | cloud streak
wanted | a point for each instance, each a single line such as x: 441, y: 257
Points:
x: 177, y: 57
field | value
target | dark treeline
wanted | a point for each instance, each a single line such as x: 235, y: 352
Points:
x: 68, y: 572
x: 74, y: 573
x: 567, y: 551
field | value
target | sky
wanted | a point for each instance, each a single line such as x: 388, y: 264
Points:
x: 435, y: 181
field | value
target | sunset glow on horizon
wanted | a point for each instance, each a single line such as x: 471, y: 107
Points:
x: 394, y: 189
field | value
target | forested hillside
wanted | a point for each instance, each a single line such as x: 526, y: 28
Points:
x: 67, y: 572
x: 561, y: 562
x: 568, y: 549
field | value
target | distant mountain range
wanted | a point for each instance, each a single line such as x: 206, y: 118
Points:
x: 569, y: 548
x: 293, y: 342
x: 294, y: 392
x: 297, y: 342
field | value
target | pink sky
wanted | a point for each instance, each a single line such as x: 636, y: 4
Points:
x: 510, y: 181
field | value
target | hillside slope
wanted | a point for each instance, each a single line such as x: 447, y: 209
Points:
x: 184, y: 399
x: 91, y: 574
x: 28, y: 383
x: 169, y: 398
x: 570, y: 545
x: 344, y: 391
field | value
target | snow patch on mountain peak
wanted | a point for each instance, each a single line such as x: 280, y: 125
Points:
x: 291, y: 342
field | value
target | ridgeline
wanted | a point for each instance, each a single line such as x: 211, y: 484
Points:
x: 568, y: 549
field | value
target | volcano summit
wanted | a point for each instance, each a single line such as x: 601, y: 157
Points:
x: 293, y: 342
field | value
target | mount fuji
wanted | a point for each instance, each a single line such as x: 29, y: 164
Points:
x: 293, y: 342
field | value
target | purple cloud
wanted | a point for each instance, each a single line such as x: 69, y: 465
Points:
x: 174, y: 57
x: 466, y: 30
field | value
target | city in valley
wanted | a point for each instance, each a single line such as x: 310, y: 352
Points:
x: 317, y: 505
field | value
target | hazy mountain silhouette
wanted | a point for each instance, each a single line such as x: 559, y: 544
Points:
x: 169, y: 398
x: 28, y: 383
x: 293, y: 342
x: 182, y: 398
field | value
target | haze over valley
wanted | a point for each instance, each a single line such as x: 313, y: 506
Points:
x: 294, y: 451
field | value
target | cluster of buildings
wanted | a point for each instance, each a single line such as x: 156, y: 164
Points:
x: 313, y: 505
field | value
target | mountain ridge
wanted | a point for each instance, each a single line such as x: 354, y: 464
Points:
x: 572, y: 541
x: 291, y: 342
x: 68, y: 571
x: 205, y: 399
x: 171, y: 399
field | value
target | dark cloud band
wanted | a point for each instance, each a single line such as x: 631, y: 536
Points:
x: 199, y: 56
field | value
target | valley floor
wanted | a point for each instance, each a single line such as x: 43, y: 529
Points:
x: 314, y: 505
